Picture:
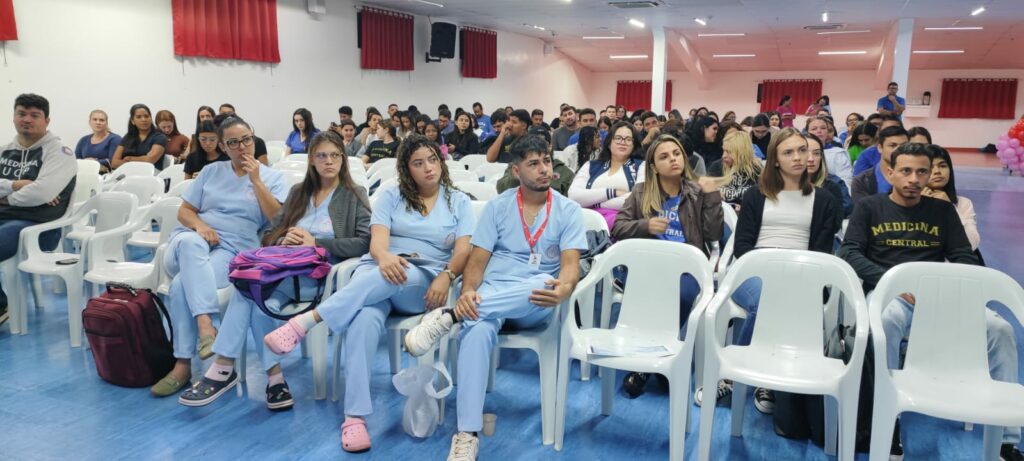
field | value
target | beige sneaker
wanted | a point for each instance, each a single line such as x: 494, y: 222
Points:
x: 465, y: 447
x: 432, y: 327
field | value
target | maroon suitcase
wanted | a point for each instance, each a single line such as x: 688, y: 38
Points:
x: 126, y: 333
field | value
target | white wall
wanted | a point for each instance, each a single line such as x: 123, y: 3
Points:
x: 110, y: 54
x: 849, y: 91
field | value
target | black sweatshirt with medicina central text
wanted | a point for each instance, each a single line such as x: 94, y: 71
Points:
x: 883, y: 234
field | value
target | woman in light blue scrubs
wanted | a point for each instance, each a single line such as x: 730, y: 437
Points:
x: 326, y: 210
x: 419, y: 242
x: 222, y: 214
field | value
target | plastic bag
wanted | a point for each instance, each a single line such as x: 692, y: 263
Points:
x: 423, y: 397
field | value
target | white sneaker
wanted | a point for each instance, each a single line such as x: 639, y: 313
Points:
x: 422, y: 337
x: 464, y: 447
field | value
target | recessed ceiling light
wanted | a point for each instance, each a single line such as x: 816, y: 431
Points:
x: 734, y: 55
x: 430, y: 3
x: 955, y: 28
x: 605, y: 37
x: 722, y: 35
x: 701, y: 21
x: 839, y: 53
x: 534, y: 26
x: 938, y: 51
x: 636, y: 23
x: 628, y: 56
x: 839, y: 32
x: 824, y: 17
x: 978, y: 11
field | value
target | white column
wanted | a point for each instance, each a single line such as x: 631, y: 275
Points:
x: 901, y: 54
x: 659, y: 70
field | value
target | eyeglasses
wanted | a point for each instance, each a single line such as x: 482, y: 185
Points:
x: 322, y: 156
x: 233, y: 143
x: 622, y: 139
x: 206, y: 139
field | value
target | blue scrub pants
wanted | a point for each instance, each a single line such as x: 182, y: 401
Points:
x: 198, y: 273
x: 358, y: 311
x: 505, y: 302
x: 243, y: 315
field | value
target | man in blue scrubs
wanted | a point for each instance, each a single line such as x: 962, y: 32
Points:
x: 525, y: 261
x: 890, y: 104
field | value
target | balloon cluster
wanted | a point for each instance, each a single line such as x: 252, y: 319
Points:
x: 1010, y: 147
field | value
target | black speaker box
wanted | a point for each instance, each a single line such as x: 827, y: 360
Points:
x: 442, y: 40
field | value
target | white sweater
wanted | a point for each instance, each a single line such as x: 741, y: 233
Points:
x: 602, y: 192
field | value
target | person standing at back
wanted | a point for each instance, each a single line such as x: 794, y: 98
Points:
x: 786, y: 112
x: 890, y: 104
x: 37, y: 179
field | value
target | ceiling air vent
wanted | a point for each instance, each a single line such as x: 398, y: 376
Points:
x: 635, y: 4
x: 826, y: 27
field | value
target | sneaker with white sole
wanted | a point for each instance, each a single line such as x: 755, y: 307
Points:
x: 764, y: 400
x: 424, y: 336
x: 724, y: 391
x: 465, y: 447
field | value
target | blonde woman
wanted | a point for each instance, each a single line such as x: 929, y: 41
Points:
x: 740, y: 169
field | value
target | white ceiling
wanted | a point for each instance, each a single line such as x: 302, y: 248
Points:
x: 774, y: 30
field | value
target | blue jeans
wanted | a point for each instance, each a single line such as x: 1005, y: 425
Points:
x: 748, y: 296
x: 10, y: 231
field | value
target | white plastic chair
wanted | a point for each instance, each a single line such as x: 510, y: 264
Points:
x: 274, y: 154
x: 594, y: 221
x: 382, y: 164
x: 166, y: 161
x: 462, y: 176
x: 786, y: 352
x: 945, y: 373
x: 291, y: 178
x: 300, y: 158
x: 126, y: 170
x: 175, y: 173
x: 179, y: 188
x: 88, y: 166
x: 494, y: 178
x: 455, y: 165
x: 649, y: 317
x: 486, y: 170
x: 148, y: 189
x: 288, y: 165
x: 166, y: 217
x: 725, y: 256
x: 356, y: 165
x: 482, y: 191
x: 471, y: 162
x: 112, y: 210
x: 278, y: 144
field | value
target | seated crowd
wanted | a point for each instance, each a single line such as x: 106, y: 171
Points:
x: 649, y: 176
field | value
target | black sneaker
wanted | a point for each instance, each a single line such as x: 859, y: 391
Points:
x: 724, y: 392
x: 3, y: 314
x: 764, y: 400
x: 634, y: 384
x: 896, y: 451
x: 1010, y: 453
x: 279, y: 398
x: 206, y: 390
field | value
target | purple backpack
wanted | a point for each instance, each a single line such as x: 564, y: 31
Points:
x: 256, y: 273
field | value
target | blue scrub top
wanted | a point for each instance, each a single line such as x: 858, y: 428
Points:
x: 432, y: 237
x: 670, y: 211
x: 227, y: 203
x: 868, y: 158
x: 317, y: 220
x: 500, y: 231
x: 294, y: 141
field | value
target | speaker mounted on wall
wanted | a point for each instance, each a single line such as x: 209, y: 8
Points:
x: 442, y: 41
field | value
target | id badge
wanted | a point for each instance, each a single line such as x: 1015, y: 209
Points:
x: 534, y: 260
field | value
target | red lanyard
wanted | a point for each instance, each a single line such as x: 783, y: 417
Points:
x: 532, y: 241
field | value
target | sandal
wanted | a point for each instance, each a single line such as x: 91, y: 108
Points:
x: 205, y: 347
x: 168, y: 385
x: 282, y: 340
x: 354, y: 437
x: 279, y: 398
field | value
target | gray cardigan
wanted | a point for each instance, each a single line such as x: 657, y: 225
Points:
x: 351, y: 220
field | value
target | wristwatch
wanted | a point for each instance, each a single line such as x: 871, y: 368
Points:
x: 451, y: 274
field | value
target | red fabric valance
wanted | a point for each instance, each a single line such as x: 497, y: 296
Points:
x: 803, y: 92
x: 637, y: 93
x: 8, y: 28
x: 226, y: 29
x: 479, y: 53
x: 978, y: 98
x: 386, y: 38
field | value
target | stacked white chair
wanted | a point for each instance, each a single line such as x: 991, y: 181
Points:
x: 649, y: 318
x: 179, y: 188
x: 174, y: 173
x: 487, y: 170
x: 382, y: 164
x: 462, y: 175
x: 482, y: 191
x: 106, y: 260
x: 455, y: 165
x: 471, y: 162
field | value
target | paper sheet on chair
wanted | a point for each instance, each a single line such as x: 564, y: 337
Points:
x: 629, y: 351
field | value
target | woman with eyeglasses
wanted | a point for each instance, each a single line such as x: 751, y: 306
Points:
x: 326, y: 210
x: 221, y: 215
x: 419, y: 244
x: 604, y: 183
x: 205, y: 152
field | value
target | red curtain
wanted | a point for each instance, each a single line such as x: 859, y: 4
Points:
x: 803, y: 92
x: 8, y: 28
x: 386, y: 38
x: 978, y: 98
x: 226, y: 29
x: 479, y: 53
x: 637, y: 93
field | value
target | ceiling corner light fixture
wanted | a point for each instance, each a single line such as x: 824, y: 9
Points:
x: 534, y: 26
x: 824, y: 17
x: 938, y: 52
x: 701, y: 21
x: 637, y: 23
x: 840, y: 53
x: 425, y: 2
x: 603, y: 37
x: 628, y: 56
x: 978, y: 11
x: 722, y: 35
x: 839, y: 32
x: 734, y: 55
x: 956, y: 28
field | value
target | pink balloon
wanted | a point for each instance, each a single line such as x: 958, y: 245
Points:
x: 1003, y: 137
x: 1013, y: 166
x: 1002, y: 144
x: 1015, y: 143
x: 1006, y: 153
x: 1020, y: 151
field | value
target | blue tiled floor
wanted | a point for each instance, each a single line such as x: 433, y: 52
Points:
x: 53, y: 406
